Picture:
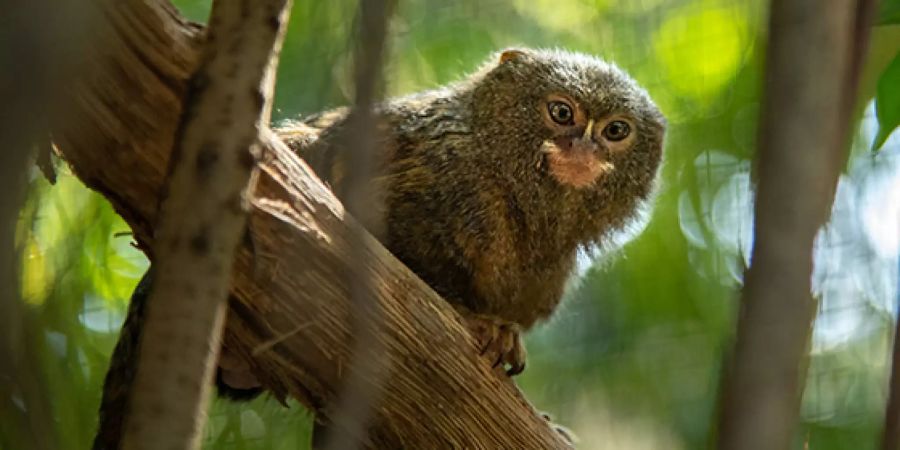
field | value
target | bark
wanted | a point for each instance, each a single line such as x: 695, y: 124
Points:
x: 292, y: 314
x: 202, y: 221
x: 814, y: 57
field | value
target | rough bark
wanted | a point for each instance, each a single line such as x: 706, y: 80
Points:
x: 814, y: 56
x: 203, y: 218
x: 292, y: 313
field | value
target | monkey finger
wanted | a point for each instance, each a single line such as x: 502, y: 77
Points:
x: 516, y: 355
x: 484, y: 330
x: 490, y: 341
x: 513, y: 353
x: 497, y: 349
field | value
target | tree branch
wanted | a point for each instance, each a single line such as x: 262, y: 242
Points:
x: 294, y: 325
x: 203, y: 220
x: 813, y: 60
x: 37, y: 42
x: 353, y: 409
x: 890, y: 438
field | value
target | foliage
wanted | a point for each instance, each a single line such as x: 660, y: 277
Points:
x: 887, y: 102
x: 887, y: 99
x: 633, y: 359
x: 888, y: 12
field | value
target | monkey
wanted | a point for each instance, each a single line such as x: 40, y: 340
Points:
x: 487, y: 189
x: 491, y: 185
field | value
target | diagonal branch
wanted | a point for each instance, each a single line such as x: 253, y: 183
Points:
x: 117, y: 137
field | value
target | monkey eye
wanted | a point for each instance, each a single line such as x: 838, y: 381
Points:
x: 617, y: 130
x: 561, y: 112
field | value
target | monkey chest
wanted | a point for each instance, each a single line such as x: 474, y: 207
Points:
x: 523, y: 288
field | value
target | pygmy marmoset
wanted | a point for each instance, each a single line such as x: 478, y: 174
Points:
x: 490, y: 185
x: 488, y: 188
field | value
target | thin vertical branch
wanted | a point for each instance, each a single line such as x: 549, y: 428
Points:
x: 37, y: 42
x: 354, y: 406
x: 891, y: 433
x: 202, y: 222
x: 814, y: 54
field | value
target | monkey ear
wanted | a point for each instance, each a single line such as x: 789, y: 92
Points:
x: 512, y: 54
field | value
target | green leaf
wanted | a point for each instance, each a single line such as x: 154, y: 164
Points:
x: 887, y: 102
x: 888, y: 12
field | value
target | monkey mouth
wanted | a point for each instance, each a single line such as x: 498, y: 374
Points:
x: 577, y: 163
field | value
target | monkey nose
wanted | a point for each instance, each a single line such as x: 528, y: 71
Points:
x: 588, y: 130
x: 586, y: 145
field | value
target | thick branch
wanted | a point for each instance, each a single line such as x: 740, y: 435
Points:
x: 202, y: 224
x: 294, y: 324
x: 811, y: 77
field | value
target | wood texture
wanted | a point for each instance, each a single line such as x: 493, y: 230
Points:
x: 292, y: 315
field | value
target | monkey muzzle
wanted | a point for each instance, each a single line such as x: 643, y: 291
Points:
x: 577, y: 161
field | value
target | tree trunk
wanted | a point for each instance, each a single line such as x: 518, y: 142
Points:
x: 813, y: 61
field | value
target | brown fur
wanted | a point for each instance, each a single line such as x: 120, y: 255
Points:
x: 475, y: 204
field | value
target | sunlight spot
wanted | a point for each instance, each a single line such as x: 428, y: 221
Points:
x: 701, y: 50
x: 252, y: 426
x: 561, y: 16
x: 36, y: 273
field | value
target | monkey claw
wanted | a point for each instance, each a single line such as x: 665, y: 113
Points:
x: 498, y: 340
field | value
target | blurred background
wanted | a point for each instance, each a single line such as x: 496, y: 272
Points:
x: 632, y: 360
